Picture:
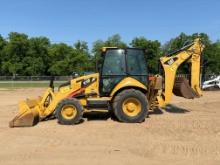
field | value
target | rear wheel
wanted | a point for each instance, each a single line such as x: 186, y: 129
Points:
x: 130, y: 106
x: 69, y: 111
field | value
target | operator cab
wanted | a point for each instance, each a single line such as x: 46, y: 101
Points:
x: 116, y: 64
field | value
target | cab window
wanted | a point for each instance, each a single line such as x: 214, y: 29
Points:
x: 136, y: 63
x: 114, y: 63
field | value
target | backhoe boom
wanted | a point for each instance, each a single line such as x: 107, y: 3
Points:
x: 190, y: 54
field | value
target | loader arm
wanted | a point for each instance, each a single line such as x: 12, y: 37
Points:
x: 191, y: 54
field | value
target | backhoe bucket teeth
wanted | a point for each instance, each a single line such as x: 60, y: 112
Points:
x: 28, y: 114
x: 182, y: 88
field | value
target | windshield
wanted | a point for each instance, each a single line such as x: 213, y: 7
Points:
x: 114, y: 63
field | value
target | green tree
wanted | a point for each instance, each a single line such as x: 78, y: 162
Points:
x: 82, y: 46
x: 66, y: 59
x: 211, y: 58
x: 2, y: 45
x: 82, y: 51
x: 210, y: 54
x: 57, y: 55
x: 152, y: 52
x: 113, y: 41
x: 37, y: 59
x: 21, y: 55
x: 175, y: 43
x: 13, y: 54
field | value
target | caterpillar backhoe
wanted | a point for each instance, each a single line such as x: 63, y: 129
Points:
x: 121, y: 87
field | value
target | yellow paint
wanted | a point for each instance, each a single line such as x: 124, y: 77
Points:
x: 128, y: 82
x: 45, y: 105
x: 105, y: 48
x: 193, y: 53
x: 68, y: 112
x: 131, y: 107
x: 45, y: 108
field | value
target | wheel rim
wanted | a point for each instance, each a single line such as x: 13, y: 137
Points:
x: 68, y: 112
x: 131, y: 107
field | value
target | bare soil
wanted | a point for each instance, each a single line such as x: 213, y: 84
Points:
x: 186, y: 132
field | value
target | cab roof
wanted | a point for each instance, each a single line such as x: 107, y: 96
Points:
x: 104, y: 49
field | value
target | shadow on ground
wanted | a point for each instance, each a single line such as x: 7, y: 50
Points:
x: 168, y: 108
x: 156, y: 111
x: 174, y: 109
x: 97, y: 116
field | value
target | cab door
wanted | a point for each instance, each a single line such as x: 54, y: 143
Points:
x: 136, y: 65
x: 113, y: 70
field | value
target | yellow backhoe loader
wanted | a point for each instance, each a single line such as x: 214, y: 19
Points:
x: 121, y: 86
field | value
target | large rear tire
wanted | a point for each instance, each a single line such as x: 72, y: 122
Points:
x: 69, y: 111
x: 130, y: 106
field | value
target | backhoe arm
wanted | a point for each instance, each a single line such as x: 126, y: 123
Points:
x: 190, y: 53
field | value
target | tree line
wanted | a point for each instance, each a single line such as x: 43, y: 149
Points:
x: 37, y: 56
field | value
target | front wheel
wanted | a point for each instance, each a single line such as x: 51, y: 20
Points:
x: 130, y: 106
x: 69, y: 111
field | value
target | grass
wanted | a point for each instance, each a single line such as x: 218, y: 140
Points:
x: 28, y: 84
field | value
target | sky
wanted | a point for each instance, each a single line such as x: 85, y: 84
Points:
x: 89, y: 20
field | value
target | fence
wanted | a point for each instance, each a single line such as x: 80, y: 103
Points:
x: 30, y: 81
x: 33, y: 78
x: 43, y: 81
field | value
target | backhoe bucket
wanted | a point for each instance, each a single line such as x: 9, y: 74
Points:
x: 28, y: 114
x: 182, y: 88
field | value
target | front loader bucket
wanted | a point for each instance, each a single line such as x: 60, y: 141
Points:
x: 28, y: 114
x: 182, y: 88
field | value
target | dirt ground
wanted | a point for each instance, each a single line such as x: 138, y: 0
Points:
x: 186, y: 132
